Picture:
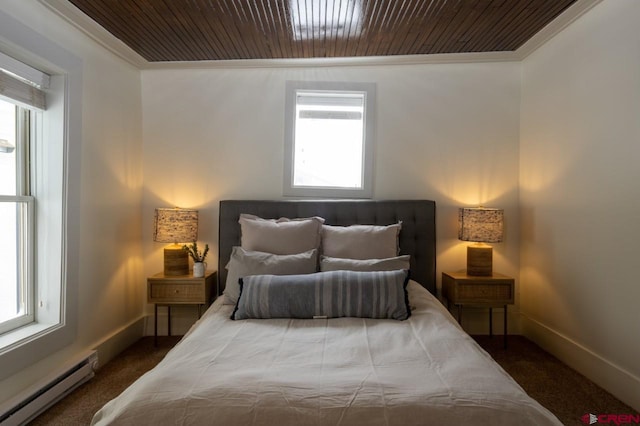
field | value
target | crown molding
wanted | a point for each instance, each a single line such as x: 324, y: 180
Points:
x: 446, y: 58
x: 554, y: 27
x: 93, y: 30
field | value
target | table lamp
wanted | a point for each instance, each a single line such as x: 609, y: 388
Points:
x: 480, y: 225
x: 175, y: 226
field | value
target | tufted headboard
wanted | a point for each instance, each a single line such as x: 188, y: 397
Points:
x: 417, y: 238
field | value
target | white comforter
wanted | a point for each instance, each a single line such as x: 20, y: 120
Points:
x: 345, y: 371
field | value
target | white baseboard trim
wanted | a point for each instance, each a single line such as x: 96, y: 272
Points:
x: 621, y: 383
x: 119, y: 340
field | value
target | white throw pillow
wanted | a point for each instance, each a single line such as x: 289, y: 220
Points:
x: 280, y: 236
x: 368, y: 265
x: 361, y: 241
x: 244, y: 263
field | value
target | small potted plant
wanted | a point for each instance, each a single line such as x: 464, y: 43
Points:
x: 199, y: 265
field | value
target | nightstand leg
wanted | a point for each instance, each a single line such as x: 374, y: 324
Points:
x: 155, y: 325
x: 505, y: 326
x: 490, y: 322
x: 459, y: 314
x: 168, y: 320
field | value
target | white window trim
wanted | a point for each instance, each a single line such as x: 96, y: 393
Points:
x: 28, y: 316
x: 56, y: 328
x: 292, y: 87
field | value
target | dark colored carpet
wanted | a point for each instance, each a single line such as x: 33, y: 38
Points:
x: 563, y: 391
x: 79, y: 407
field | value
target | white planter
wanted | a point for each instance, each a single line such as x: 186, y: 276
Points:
x: 198, y: 269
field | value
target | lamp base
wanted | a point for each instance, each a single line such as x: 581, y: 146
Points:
x: 480, y: 260
x: 176, y: 260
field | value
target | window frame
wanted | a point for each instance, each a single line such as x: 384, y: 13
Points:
x: 23, y: 196
x: 369, y: 91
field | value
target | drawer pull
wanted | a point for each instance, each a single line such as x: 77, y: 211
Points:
x: 177, y: 291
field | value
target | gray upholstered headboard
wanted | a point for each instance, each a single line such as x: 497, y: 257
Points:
x: 417, y: 238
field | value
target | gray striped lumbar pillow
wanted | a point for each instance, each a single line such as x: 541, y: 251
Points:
x: 380, y: 294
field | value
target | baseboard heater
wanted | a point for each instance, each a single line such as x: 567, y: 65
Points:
x: 50, y: 391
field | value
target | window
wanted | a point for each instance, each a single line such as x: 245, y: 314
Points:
x: 16, y: 218
x: 329, y: 139
x: 41, y: 202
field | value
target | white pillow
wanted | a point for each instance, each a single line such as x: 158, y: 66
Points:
x: 361, y: 241
x: 368, y: 265
x: 243, y: 263
x: 281, y: 236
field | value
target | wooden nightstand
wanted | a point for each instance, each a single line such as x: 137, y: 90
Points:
x: 179, y: 290
x: 495, y: 291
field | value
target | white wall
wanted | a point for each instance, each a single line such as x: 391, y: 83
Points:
x: 111, y: 285
x: 580, y: 197
x: 447, y: 132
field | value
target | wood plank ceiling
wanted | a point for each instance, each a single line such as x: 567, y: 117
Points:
x: 196, y: 30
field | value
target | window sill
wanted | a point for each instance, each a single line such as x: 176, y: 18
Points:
x: 20, y: 336
x: 27, y: 345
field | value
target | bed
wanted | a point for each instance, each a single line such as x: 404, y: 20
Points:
x: 342, y: 370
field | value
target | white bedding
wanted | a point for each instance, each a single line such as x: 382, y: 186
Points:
x: 345, y: 371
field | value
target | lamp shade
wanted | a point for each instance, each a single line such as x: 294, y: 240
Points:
x: 175, y: 225
x: 480, y: 224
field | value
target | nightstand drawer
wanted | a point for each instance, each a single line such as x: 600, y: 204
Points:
x: 177, y: 292
x: 502, y: 293
x: 462, y: 289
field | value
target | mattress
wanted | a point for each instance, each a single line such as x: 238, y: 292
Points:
x: 342, y: 371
